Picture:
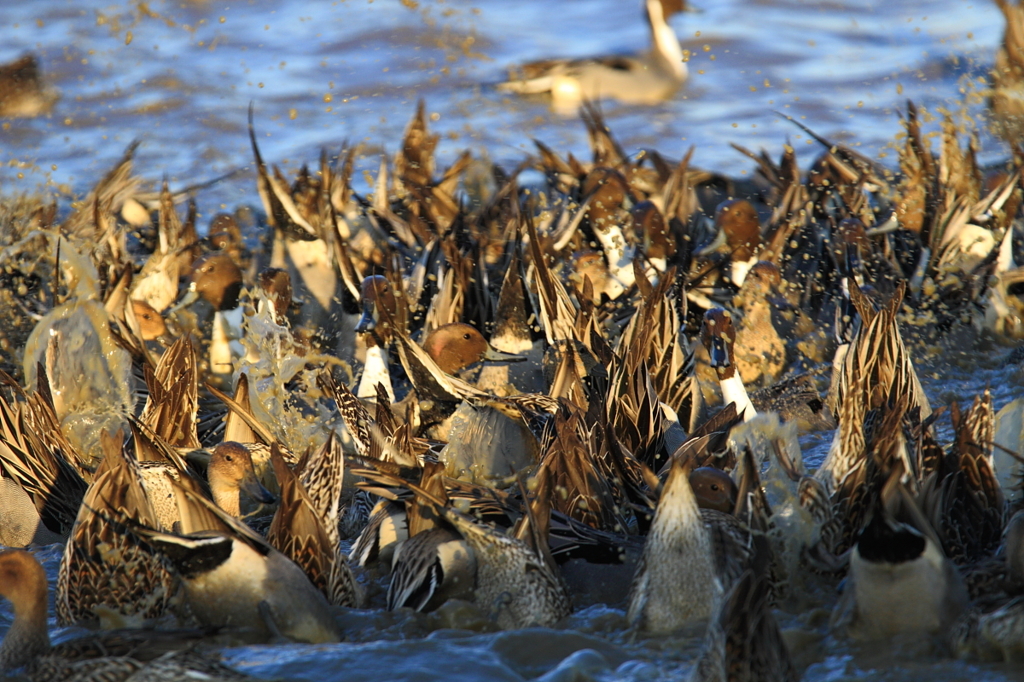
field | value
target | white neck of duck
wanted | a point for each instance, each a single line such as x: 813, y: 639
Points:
x: 733, y: 391
x: 375, y: 371
x: 664, y: 43
x: 739, y: 269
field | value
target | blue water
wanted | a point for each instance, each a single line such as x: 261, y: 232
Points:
x: 184, y: 80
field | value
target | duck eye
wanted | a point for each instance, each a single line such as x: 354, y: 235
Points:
x: 228, y: 458
x: 466, y: 336
x: 714, y: 486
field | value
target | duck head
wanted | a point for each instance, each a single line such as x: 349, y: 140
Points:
x: 23, y: 583
x: 649, y: 224
x: 230, y: 471
x: 852, y: 243
x: 216, y: 279
x: 718, y: 335
x: 276, y: 285
x: 151, y: 323
x: 609, y: 193
x: 714, y: 489
x: 457, y: 346
x: 375, y: 291
x: 738, y: 228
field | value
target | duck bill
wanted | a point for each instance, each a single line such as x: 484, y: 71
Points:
x: 254, y: 489
x: 492, y: 355
x: 716, y: 243
x: 719, y: 353
x: 366, y: 323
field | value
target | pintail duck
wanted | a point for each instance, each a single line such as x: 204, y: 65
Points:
x: 743, y: 641
x: 300, y: 532
x: 105, y: 573
x: 234, y: 578
x: 435, y: 563
x: 719, y: 336
x: 231, y: 473
x: 899, y: 582
x: 876, y: 367
x: 513, y: 576
x: 376, y: 293
x: 22, y: 91
x: 114, y: 656
x: 152, y: 325
x: 737, y: 241
x: 516, y: 578
x: 42, y: 477
x: 667, y: 594
x: 760, y: 353
x: 641, y: 79
x: 157, y: 283
x: 217, y: 280
x: 1007, y: 96
x: 714, y: 489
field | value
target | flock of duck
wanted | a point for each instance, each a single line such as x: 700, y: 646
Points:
x: 504, y: 387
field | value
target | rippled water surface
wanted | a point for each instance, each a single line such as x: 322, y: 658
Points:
x: 179, y: 76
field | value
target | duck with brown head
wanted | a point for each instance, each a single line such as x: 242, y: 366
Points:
x: 719, y: 336
x: 456, y: 346
x: 217, y: 280
x: 739, y: 236
x: 231, y: 473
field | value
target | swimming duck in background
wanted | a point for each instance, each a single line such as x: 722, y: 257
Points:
x: 636, y: 79
x: 22, y: 92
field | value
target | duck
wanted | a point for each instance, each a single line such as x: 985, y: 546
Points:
x: 217, y: 279
x: 900, y: 582
x: 152, y: 325
x: 231, y: 473
x: 743, y: 640
x: 760, y: 353
x: 234, y: 578
x: 675, y: 581
x: 511, y: 576
x: 516, y: 577
x: 300, y: 531
x: 376, y: 292
x: 435, y: 563
x: 714, y: 489
x: 114, y: 656
x: 23, y: 93
x: 737, y: 238
x: 42, y: 477
x: 1006, y: 99
x: 640, y: 79
x: 718, y: 335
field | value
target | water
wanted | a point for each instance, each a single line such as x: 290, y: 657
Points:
x: 180, y: 76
